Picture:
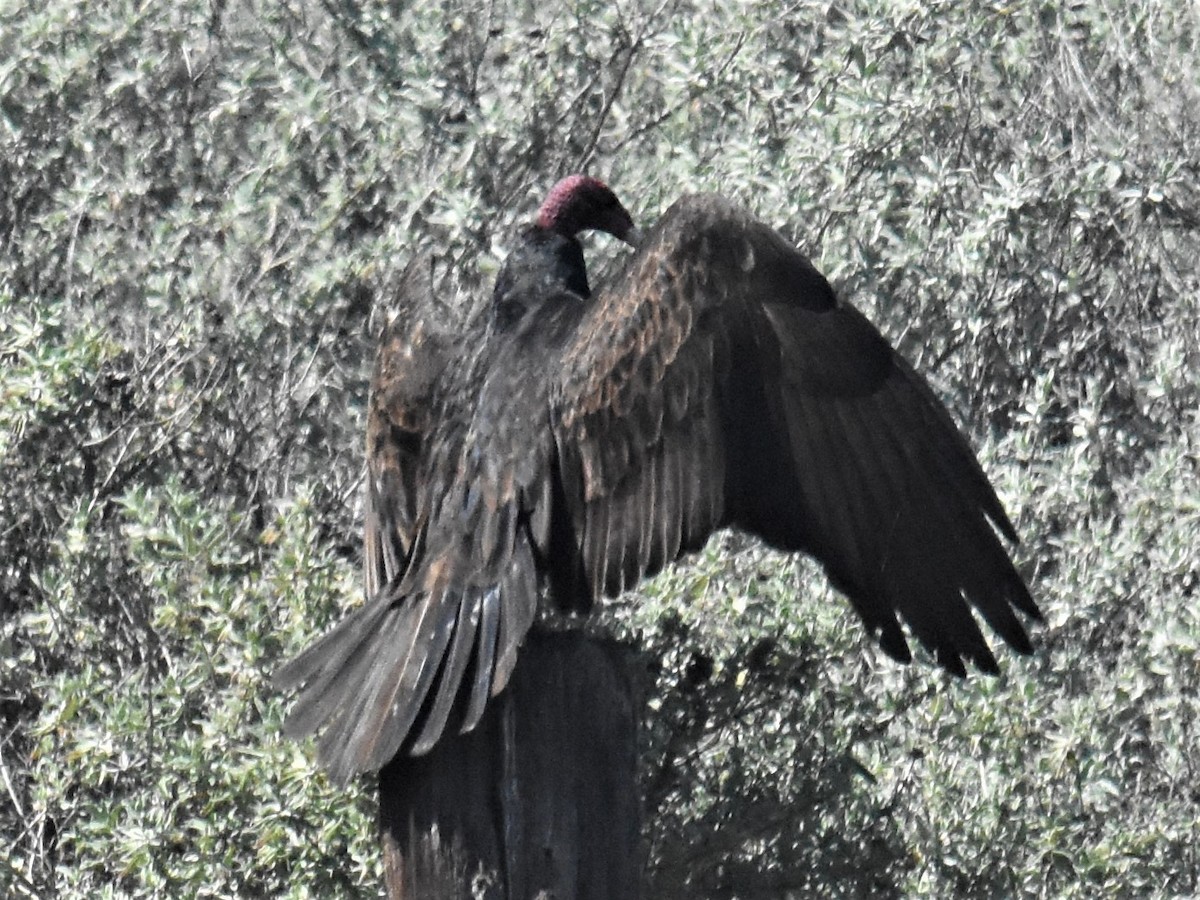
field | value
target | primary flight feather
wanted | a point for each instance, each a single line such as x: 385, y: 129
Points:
x: 571, y: 444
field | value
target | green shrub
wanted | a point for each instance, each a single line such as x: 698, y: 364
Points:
x: 205, y: 211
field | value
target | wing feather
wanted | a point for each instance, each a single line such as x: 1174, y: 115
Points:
x: 721, y: 381
x: 631, y: 405
x: 408, y: 380
x: 651, y: 514
x: 467, y: 629
x: 516, y: 617
x: 909, y: 526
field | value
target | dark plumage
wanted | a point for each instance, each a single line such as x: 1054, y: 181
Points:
x: 580, y: 444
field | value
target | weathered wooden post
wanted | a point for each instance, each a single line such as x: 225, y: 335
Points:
x: 540, y: 800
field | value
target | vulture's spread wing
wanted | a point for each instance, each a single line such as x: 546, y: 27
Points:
x: 343, y: 671
x: 720, y: 381
x: 405, y: 400
x: 456, y: 522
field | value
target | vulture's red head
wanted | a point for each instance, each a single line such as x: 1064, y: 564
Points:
x: 581, y: 203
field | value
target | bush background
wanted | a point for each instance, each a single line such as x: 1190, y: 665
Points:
x: 204, y: 210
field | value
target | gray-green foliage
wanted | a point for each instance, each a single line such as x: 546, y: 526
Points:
x: 201, y: 205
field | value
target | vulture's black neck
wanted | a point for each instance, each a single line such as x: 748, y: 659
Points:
x: 543, y: 265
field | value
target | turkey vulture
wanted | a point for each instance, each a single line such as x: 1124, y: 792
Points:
x: 577, y: 443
